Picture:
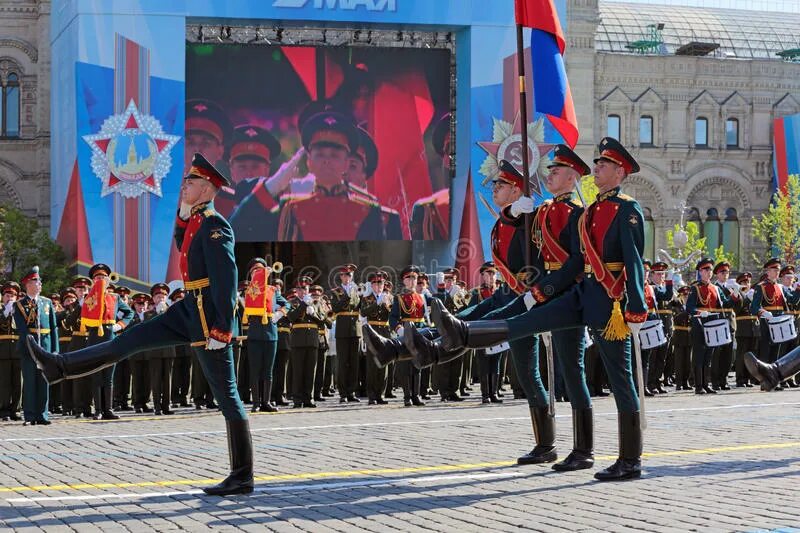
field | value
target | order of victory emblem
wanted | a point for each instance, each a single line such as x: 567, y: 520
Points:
x: 131, y: 153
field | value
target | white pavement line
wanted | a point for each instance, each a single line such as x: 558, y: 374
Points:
x: 282, y: 488
x: 378, y: 424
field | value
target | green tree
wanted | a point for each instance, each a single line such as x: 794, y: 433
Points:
x: 777, y: 228
x: 719, y: 254
x: 588, y: 189
x: 23, y: 244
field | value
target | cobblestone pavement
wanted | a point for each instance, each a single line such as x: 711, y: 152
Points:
x: 729, y: 462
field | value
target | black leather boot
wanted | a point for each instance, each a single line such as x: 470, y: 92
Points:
x: 457, y: 334
x: 706, y: 376
x: 108, y: 414
x: 485, y: 388
x: 493, y: 381
x: 240, y: 449
x: 582, y: 454
x: 425, y: 352
x: 544, y: 431
x: 698, y: 381
x: 97, y: 400
x: 629, y: 464
x: 383, y: 350
x: 266, y: 393
x: 771, y: 375
x: 57, y: 367
x: 256, y: 388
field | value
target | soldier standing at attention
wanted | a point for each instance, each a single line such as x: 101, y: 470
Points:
x: 10, y: 370
x: 160, y: 360
x: 723, y: 357
x: 182, y: 368
x: 345, y: 303
x: 35, y: 319
x: 283, y: 349
x: 681, y: 341
x: 748, y: 330
x: 306, y: 319
x: 322, y: 350
x: 375, y: 307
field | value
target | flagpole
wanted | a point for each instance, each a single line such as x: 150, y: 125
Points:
x: 523, y: 112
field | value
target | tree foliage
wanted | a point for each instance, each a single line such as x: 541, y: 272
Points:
x: 777, y: 229
x: 24, y: 244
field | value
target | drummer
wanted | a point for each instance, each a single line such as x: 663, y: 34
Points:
x: 772, y: 299
x: 705, y: 303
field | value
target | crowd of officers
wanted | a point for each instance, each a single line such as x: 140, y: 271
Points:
x: 319, y: 353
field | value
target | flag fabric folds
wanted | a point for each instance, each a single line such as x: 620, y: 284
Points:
x: 552, y: 96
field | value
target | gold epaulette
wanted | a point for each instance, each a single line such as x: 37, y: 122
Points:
x: 625, y: 197
x: 208, y: 212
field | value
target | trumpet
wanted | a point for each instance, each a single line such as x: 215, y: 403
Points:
x: 361, y: 289
x: 113, y: 277
x: 277, y: 267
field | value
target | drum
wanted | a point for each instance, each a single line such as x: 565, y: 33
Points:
x: 497, y: 348
x: 652, y: 335
x: 717, y: 332
x: 781, y: 328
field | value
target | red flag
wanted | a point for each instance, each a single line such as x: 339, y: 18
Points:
x: 540, y: 15
x: 469, y: 252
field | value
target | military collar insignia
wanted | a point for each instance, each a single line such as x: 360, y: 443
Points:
x: 608, y: 194
x: 563, y: 197
x: 200, y: 207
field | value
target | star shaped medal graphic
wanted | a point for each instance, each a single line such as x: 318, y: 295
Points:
x: 131, y: 153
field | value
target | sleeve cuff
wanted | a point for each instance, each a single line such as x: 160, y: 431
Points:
x: 179, y: 222
x: 122, y: 325
x: 219, y: 335
x: 264, y: 198
x: 636, y: 318
x: 538, y: 295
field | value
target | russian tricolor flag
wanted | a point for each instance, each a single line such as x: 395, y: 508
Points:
x: 786, y: 158
x: 552, y: 96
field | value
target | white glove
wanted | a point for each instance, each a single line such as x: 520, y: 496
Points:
x: 307, y: 299
x: 214, y: 344
x: 277, y: 315
x: 363, y: 320
x: 278, y: 183
x: 523, y: 205
x: 704, y: 314
x: 161, y: 307
x: 439, y: 278
x: 116, y: 327
x: 455, y: 289
x: 185, y: 211
x: 766, y: 315
x: 750, y: 293
x: 8, y: 309
x: 677, y: 279
x: 400, y: 332
x: 635, y: 327
x: 529, y: 300
x: 731, y: 284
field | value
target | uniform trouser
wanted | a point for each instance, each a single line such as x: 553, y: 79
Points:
x: 35, y: 391
x: 427, y: 380
x: 347, y: 365
x: 261, y: 360
x: 409, y: 377
x: 657, y: 363
x: 104, y: 379
x: 453, y: 374
x: 488, y: 365
x: 390, y: 371
x: 160, y: 377
x: 242, y: 369
x: 122, y: 382
x: 304, y: 362
x: 744, y: 345
x: 721, y: 364
x: 565, y: 312
x: 66, y: 396
x: 82, y: 395
x: 201, y: 391
x: 55, y: 396
x: 361, y: 383
x: 683, y: 363
x: 279, y: 374
x: 376, y: 379
x: 181, y: 378
x: 10, y: 386
x: 217, y: 365
x: 319, y: 372
x: 140, y: 381
x: 330, y: 373
x: 466, y: 369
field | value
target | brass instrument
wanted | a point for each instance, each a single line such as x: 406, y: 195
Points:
x: 277, y: 267
x: 361, y: 289
x: 113, y: 277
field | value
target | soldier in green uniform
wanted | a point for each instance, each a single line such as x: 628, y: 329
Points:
x: 122, y: 372
x: 681, y: 341
x: 69, y: 299
x: 448, y: 375
x: 748, y: 330
x: 10, y: 370
x: 160, y: 360
x: 345, y: 303
x: 659, y: 296
x: 376, y: 305
x: 182, y: 367
x: 204, y: 318
x: 81, y: 387
x: 140, y: 364
x: 282, y: 351
x: 489, y: 364
x: 35, y: 318
x: 316, y: 292
x: 723, y: 357
x: 788, y: 280
x: 609, y: 299
x: 306, y: 317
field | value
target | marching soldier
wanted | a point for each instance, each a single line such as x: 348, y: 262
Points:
x: 376, y: 305
x: 705, y: 299
x: 140, y: 364
x: 610, y: 300
x: 10, y: 370
x: 182, y: 367
x: 681, y: 340
x: 35, y: 317
x: 748, y: 329
x: 723, y: 357
x: 283, y: 349
x: 160, y: 360
x: 306, y: 319
x: 264, y: 307
x: 345, y: 302
x: 772, y: 299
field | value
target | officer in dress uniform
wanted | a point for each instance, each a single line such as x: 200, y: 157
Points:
x: 69, y: 299
x: 264, y: 307
x: 427, y: 385
x: 182, y: 367
x: 251, y: 154
x: 376, y: 305
x: 306, y: 319
x: 283, y: 349
x: 408, y: 311
x: 81, y: 387
x: 122, y: 372
x: 772, y: 299
x: 345, y: 302
x: 321, y: 302
x: 705, y: 301
x: 609, y: 299
x: 35, y: 319
x: 205, y: 318
x: 659, y: 296
x: 160, y: 360
x: 329, y: 138
x: 448, y: 375
x: 723, y: 357
x: 489, y: 365
x: 681, y: 340
x: 748, y: 329
x: 140, y: 365
x: 10, y: 370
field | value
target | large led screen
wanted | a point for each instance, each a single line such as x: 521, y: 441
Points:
x: 324, y: 143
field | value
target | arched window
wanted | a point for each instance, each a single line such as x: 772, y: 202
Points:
x: 701, y: 132
x: 711, y: 230
x: 732, y: 133
x: 613, y: 128
x: 10, y: 107
x: 730, y: 232
x: 649, y: 235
